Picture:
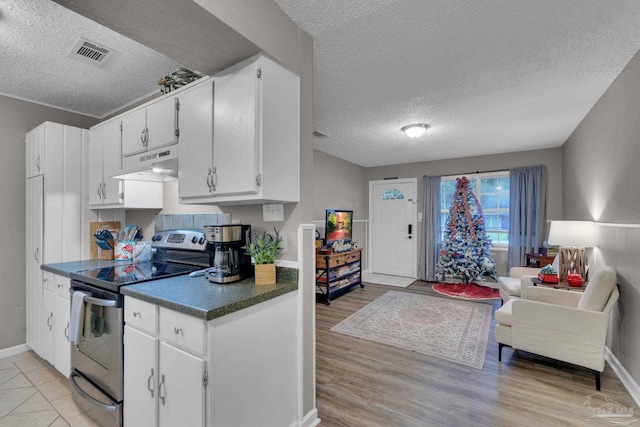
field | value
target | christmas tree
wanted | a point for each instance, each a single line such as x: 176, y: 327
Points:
x: 465, y: 249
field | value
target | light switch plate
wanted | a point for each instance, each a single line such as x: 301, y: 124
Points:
x: 273, y: 212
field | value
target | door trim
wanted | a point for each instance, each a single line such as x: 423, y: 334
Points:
x: 414, y: 202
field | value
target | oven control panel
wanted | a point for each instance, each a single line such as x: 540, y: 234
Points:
x: 179, y: 239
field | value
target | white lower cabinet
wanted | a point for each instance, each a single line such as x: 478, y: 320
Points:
x: 163, y: 385
x: 180, y: 370
x: 54, y: 322
x: 140, y: 378
x: 61, y: 319
x: 181, y: 389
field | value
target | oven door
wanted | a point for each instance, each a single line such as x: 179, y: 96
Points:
x: 98, y: 353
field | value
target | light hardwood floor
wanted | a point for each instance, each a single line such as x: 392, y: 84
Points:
x: 364, y: 383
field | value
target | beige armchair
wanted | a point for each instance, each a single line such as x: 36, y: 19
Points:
x: 560, y: 324
x: 515, y: 285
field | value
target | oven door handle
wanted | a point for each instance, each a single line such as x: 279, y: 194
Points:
x: 101, y: 302
x: 81, y: 392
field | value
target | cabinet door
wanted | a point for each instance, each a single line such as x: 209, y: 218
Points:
x: 140, y: 378
x: 62, y: 347
x: 235, y: 129
x: 96, y: 138
x: 34, y: 221
x: 111, y: 161
x: 34, y: 150
x: 181, y: 390
x: 162, y: 123
x: 134, y: 136
x: 47, y: 323
x: 196, y: 141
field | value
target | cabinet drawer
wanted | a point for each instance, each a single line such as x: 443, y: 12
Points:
x: 62, y: 285
x: 336, y: 260
x: 181, y: 329
x: 48, y: 281
x: 141, y: 315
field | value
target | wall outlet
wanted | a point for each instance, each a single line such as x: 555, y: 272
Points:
x: 274, y: 212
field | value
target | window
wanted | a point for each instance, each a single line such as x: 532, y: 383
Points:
x: 492, y: 191
x: 392, y: 194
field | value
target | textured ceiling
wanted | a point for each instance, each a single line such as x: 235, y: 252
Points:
x: 37, y: 36
x: 488, y: 76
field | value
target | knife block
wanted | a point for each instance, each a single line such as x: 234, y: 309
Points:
x: 95, y: 251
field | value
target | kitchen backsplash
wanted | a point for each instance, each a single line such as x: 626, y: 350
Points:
x: 196, y: 221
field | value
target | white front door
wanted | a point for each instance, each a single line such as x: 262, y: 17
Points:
x: 392, y: 211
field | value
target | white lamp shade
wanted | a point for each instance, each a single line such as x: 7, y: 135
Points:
x: 579, y: 234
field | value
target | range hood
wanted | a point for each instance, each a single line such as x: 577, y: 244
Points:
x: 159, y: 165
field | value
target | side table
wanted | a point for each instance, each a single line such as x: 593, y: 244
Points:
x: 561, y: 285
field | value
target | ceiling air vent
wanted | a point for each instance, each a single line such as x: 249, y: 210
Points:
x: 91, y: 52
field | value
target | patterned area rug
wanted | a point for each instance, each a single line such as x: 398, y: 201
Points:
x: 470, y: 291
x: 449, y: 329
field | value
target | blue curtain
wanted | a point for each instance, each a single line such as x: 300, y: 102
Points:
x: 430, y: 238
x: 527, y: 212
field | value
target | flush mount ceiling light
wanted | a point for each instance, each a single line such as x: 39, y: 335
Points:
x: 416, y: 130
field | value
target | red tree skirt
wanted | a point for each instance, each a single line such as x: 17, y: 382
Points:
x: 470, y: 291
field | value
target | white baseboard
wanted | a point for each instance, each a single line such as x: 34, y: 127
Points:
x: 629, y: 383
x: 311, y: 419
x: 12, y: 351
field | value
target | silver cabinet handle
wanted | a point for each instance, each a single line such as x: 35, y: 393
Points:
x: 66, y: 332
x: 150, y: 385
x: 162, y: 398
x: 214, y: 178
x: 36, y: 255
x: 50, y: 321
x: 100, y: 191
x: 209, y: 180
x: 38, y: 163
x: 59, y: 286
x: 177, y: 330
x: 137, y: 314
x: 104, y: 190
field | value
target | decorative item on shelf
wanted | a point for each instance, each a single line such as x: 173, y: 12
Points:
x: 574, y: 279
x: 341, y: 246
x: 548, y: 274
x: 176, y: 79
x: 264, y: 248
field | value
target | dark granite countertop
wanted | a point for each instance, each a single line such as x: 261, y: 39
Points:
x: 198, y: 297
x: 66, y: 268
x: 195, y: 296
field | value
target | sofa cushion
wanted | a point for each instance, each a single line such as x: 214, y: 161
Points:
x: 503, y: 314
x: 511, y: 285
x: 598, y: 290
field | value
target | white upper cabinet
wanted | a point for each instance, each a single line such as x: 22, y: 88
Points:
x: 151, y: 127
x: 196, y: 136
x: 104, y: 156
x: 251, y: 154
x: 109, y: 193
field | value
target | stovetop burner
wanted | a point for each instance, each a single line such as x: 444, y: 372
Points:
x: 126, y: 274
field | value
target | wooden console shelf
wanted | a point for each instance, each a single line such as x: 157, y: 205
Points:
x: 337, y: 273
x: 539, y: 261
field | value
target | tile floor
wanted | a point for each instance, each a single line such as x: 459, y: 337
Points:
x: 384, y: 279
x: 34, y: 394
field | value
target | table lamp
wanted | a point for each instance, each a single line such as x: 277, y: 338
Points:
x: 572, y: 237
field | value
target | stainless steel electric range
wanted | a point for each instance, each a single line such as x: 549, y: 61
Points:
x: 97, y: 319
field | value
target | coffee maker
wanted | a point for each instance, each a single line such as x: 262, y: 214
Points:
x: 229, y: 262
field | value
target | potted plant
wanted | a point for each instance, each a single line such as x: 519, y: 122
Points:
x: 264, y: 248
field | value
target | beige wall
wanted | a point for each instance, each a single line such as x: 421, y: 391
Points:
x: 16, y: 119
x: 600, y: 182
